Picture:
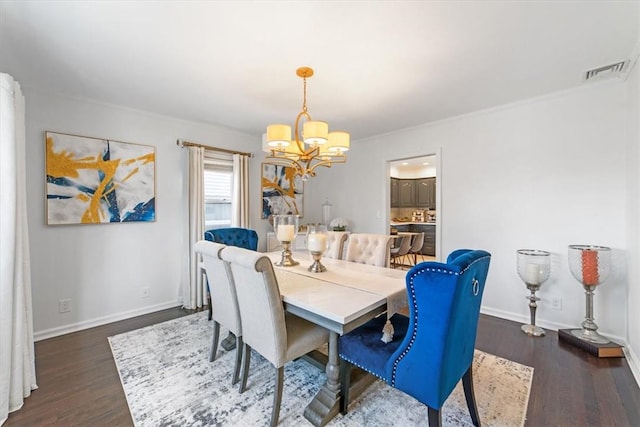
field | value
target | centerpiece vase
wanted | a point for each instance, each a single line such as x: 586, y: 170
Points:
x: 317, y: 244
x: 286, y: 228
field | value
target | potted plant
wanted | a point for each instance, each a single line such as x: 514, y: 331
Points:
x: 339, y: 224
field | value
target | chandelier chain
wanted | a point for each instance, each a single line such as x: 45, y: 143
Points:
x: 304, y: 94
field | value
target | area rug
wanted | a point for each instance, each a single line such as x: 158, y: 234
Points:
x: 168, y: 381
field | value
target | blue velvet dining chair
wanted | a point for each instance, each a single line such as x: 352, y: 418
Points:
x: 432, y: 348
x: 233, y: 236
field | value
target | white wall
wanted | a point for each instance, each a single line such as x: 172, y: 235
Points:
x: 102, y: 268
x: 633, y: 215
x: 540, y: 174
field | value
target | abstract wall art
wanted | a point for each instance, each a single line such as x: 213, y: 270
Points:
x: 96, y: 181
x: 282, y: 191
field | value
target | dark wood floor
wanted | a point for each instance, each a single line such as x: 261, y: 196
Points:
x: 79, y: 385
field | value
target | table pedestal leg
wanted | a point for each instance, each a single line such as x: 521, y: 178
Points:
x: 326, y: 404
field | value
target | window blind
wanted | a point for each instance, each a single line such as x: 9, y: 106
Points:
x: 218, y: 182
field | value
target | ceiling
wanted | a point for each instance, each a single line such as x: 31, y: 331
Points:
x: 413, y: 166
x: 379, y: 66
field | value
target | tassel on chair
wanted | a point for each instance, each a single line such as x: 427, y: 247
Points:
x: 387, y: 332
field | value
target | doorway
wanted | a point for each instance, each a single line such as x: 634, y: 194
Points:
x: 414, y: 200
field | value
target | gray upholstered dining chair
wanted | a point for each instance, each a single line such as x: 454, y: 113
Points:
x: 278, y: 336
x: 335, y: 244
x: 373, y: 249
x: 223, y: 299
x: 416, y: 247
x: 401, y: 250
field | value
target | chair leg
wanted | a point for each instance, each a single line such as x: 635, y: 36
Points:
x: 345, y: 384
x: 236, y: 369
x: 246, y: 361
x: 214, y: 341
x: 467, y: 384
x: 209, y: 302
x: 277, y: 396
x: 435, y: 417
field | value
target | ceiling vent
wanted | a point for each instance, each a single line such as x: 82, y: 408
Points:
x: 608, y: 71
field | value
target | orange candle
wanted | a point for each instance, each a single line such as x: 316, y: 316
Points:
x: 590, y: 267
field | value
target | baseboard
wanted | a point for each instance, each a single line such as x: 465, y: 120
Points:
x: 91, y: 323
x: 630, y: 355
x: 552, y: 326
x: 516, y: 317
x: 632, y: 360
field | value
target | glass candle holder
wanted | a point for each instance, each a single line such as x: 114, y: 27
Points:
x: 326, y: 212
x: 317, y: 244
x: 534, y: 267
x: 286, y: 228
x: 590, y: 265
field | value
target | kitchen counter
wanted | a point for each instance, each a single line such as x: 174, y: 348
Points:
x: 428, y: 228
x: 393, y: 223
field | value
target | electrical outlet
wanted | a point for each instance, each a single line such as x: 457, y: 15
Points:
x: 64, y: 305
x: 556, y: 303
x: 145, y: 292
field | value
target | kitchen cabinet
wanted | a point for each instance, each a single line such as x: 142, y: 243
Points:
x: 429, y: 245
x: 425, y: 196
x: 395, y: 195
x: 403, y: 228
x: 406, y: 193
x: 413, y: 193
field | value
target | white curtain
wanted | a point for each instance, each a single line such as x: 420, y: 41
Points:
x: 240, y: 198
x: 17, y: 356
x: 193, y: 287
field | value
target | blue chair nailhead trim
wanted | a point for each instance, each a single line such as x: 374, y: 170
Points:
x: 362, y: 367
x: 392, y: 380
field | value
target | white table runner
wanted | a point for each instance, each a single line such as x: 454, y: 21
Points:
x: 386, y: 282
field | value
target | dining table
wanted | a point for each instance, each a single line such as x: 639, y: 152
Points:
x: 340, y: 299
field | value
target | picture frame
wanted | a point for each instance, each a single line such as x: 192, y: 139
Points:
x: 98, y: 181
x: 282, y: 191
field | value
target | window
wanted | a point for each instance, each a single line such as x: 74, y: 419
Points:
x: 218, y: 180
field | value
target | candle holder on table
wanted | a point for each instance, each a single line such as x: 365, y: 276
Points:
x: 286, y: 228
x: 534, y: 267
x: 317, y: 244
x: 590, y: 265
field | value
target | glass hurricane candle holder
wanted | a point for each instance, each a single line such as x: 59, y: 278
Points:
x: 326, y: 212
x: 590, y: 265
x: 534, y: 267
x: 317, y: 244
x: 286, y: 228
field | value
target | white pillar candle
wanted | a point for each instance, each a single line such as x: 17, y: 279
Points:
x: 533, y: 274
x: 285, y: 233
x: 317, y: 242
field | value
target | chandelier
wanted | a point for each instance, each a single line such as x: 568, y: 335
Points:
x: 311, y: 146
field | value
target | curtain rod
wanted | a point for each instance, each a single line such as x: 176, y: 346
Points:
x: 182, y: 143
